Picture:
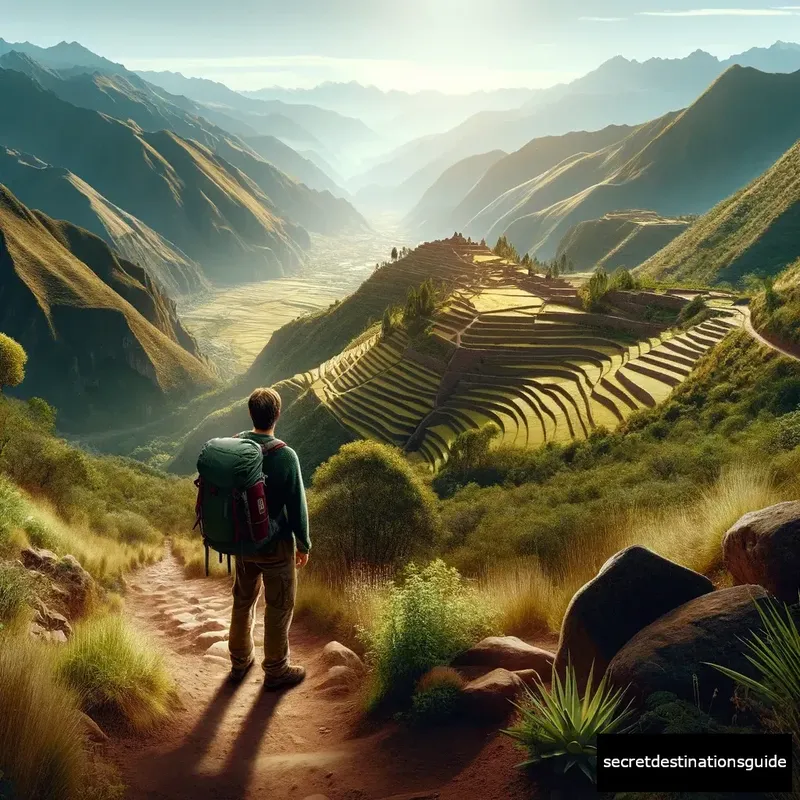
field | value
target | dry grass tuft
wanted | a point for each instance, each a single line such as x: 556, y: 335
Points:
x: 41, y: 743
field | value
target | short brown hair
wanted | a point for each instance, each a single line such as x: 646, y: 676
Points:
x: 265, y: 408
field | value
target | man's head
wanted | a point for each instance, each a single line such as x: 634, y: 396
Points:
x: 265, y: 408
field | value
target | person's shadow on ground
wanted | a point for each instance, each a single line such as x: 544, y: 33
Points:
x: 178, y: 771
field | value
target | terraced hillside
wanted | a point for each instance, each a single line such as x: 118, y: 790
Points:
x: 104, y: 343
x: 504, y: 347
x: 619, y: 239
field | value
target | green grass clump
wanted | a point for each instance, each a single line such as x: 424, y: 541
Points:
x: 117, y: 674
x: 437, y: 697
x: 41, y: 743
x: 132, y: 528
x: 560, y: 725
x: 12, y: 514
x: 15, y: 591
x: 422, y: 623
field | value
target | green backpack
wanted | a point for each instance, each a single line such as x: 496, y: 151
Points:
x: 231, y: 508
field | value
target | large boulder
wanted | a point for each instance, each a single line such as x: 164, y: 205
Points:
x: 507, y: 652
x: 632, y: 589
x: 763, y: 547
x: 491, y: 696
x: 674, y: 653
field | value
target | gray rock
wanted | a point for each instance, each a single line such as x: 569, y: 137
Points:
x: 632, y: 589
x: 763, y: 547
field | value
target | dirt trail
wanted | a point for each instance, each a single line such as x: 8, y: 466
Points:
x: 232, y: 742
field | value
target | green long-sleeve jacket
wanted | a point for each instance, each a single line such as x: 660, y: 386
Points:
x: 286, y: 496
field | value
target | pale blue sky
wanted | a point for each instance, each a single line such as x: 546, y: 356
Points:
x: 455, y: 45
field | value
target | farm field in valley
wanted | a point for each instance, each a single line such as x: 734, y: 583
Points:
x: 232, y: 325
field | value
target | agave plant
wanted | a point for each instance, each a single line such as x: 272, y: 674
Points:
x: 775, y: 653
x: 561, y: 725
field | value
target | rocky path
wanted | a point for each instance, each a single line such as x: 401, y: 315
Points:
x: 239, y: 742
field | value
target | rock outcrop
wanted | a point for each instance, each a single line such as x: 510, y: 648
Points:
x: 491, y: 697
x: 632, y: 589
x: 763, y: 547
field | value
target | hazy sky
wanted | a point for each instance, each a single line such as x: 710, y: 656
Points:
x: 455, y: 45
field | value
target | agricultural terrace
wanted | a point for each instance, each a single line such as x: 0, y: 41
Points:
x: 520, y: 352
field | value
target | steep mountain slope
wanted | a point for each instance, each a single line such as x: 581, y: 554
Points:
x: 431, y: 213
x: 756, y: 230
x: 731, y: 134
x: 62, y: 195
x: 563, y: 180
x: 293, y: 164
x: 104, y: 343
x: 530, y: 161
x: 198, y: 201
x: 619, y: 239
x: 129, y: 98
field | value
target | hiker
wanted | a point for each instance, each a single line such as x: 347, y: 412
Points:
x: 275, y: 565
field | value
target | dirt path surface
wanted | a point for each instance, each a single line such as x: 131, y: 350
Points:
x: 748, y: 326
x: 230, y: 742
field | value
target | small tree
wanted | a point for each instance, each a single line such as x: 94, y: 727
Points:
x: 394, y: 254
x: 469, y: 448
x: 387, y: 324
x: 623, y: 280
x: 594, y: 291
x: 772, y: 300
x: 368, y: 506
x: 12, y: 362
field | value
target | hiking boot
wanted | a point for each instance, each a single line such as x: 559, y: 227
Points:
x: 237, y: 674
x: 293, y: 675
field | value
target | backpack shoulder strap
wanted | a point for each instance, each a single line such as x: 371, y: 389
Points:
x: 273, y: 446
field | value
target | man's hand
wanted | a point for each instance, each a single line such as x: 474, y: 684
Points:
x: 300, y: 559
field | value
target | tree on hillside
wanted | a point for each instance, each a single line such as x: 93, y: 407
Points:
x: 12, y: 362
x: 469, y: 448
x: 369, y: 507
x: 506, y: 250
x: 593, y: 292
x: 623, y: 280
x: 394, y: 254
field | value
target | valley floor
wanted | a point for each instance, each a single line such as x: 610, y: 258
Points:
x: 233, y: 743
x: 233, y: 325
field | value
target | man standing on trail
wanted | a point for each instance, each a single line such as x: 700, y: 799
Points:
x: 276, y: 565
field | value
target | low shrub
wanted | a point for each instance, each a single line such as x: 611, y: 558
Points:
x: 132, y: 528
x: 117, y: 674
x: 423, y: 622
x: 559, y: 725
x: 41, y: 741
x: 12, y: 514
x: 437, y: 697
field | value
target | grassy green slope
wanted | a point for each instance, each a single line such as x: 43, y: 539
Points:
x: 778, y: 317
x: 619, y: 239
x: 755, y: 230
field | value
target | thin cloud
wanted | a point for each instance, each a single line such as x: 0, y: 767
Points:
x: 602, y: 19
x: 780, y: 11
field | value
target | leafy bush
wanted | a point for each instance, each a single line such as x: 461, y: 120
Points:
x: 696, y: 306
x: 666, y: 713
x: 422, y: 623
x: 593, y: 292
x: 437, y: 697
x: 560, y: 725
x: 369, y: 506
x: 622, y: 280
x: 116, y: 673
x: 41, y: 742
x: 15, y: 592
x: 12, y: 513
x: 12, y: 362
x: 786, y: 434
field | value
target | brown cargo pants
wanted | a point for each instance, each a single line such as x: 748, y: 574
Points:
x: 278, y: 574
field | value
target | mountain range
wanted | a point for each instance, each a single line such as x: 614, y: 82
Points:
x: 103, y: 340
x: 620, y: 91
